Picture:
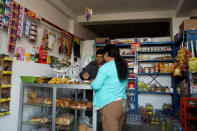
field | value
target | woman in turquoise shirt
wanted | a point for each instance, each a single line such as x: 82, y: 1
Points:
x: 110, y: 85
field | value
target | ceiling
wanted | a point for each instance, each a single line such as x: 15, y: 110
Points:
x: 114, y: 6
x: 131, y: 30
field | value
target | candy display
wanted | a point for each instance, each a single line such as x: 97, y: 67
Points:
x: 153, y: 88
x: 156, y: 68
x: 7, y: 12
x: 2, y: 4
x: 193, y: 65
x: 21, y: 18
x: 102, y: 41
x: 13, y: 27
x: 27, y: 25
x: 146, y: 49
x: 183, y: 58
x: 33, y: 32
x: 141, y: 57
x: 52, y: 38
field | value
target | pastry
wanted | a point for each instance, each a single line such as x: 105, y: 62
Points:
x: 78, y: 104
x: 42, y: 80
x: 74, y: 105
x: 35, y: 119
x: 82, y: 127
x: 60, y: 103
x: 65, y: 120
x: 32, y: 94
x: 83, y: 106
x: 89, y: 129
x: 42, y: 120
x: 48, y: 101
x: 37, y: 100
x: 89, y: 104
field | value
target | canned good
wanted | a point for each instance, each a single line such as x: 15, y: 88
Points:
x: 152, y: 70
x: 146, y: 69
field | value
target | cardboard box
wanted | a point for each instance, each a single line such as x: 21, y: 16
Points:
x: 188, y: 25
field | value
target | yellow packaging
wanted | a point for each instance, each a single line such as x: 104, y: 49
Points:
x: 48, y: 59
x: 28, y: 57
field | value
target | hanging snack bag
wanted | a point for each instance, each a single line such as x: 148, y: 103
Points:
x: 27, y: 27
x: 21, y: 22
x: 33, y: 32
x: 51, y: 40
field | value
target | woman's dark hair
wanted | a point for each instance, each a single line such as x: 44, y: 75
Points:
x: 122, y: 69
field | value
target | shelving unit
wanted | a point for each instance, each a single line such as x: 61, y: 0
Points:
x: 128, y: 46
x: 153, y: 75
x: 188, y: 109
x: 54, y: 92
x: 156, y: 60
x: 185, y: 37
x: 5, y: 85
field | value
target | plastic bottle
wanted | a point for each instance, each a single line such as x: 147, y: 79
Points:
x: 32, y: 58
x: 37, y: 55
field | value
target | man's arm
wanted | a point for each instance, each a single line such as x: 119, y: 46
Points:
x: 86, y: 70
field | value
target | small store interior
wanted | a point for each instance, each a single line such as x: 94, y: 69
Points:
x: 51, y: 52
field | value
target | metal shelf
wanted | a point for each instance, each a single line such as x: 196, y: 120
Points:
x: 55, y: 88
x: 130, y: 67
x: 156, y: 43
x: 66, y: 86
x: 128, y: 55
x: 162, y: 93
x: 100, y: 45
x: 131, y: 91
x: 155, y: 52
x: 43, y: 105
x: 130, y: 101
x: 154, y: 73
x: 155, y: 60
x: 131, y: 78
x: 65, y: 128
x: 36, y: 124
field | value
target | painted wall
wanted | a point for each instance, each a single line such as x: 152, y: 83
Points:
x: 10, y: 122
x: 176, y: 22
x: 193, y: 12
x: 81, y: 31
x: 46, y: 10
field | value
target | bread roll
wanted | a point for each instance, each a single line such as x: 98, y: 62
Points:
x: 32, y: 94
x: 89, y: 104
x: 82, y: 127
x: 65, y: 120
x: 47, y: 101
x: 83, y: 106
x: 37, y: 100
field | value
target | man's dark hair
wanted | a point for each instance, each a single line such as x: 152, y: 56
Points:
x: 100, y: 52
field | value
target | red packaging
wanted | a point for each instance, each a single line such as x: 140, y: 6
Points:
x: 43, y: 56
x: 131, y: 85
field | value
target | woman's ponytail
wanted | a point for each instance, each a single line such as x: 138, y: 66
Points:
x: 121, y: 66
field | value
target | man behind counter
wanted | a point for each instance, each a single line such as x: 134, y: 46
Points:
x: 91, y: 70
